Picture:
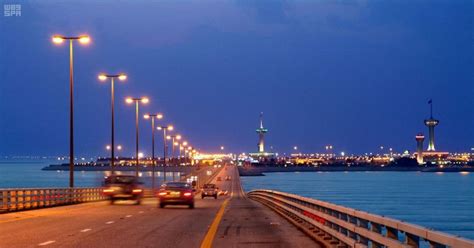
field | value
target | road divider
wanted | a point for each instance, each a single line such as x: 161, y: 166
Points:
x: 211, y: 232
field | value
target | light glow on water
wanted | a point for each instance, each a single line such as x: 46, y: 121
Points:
x: 444, y: 202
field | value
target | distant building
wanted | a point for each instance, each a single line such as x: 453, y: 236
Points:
x: 420, y: 138
x: 431, y: 123
x: 261, y: 154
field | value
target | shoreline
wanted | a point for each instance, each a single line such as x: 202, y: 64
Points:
x: 260, y: 170
x: 61, y: 167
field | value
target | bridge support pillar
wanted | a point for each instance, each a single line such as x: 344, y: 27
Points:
x: 352, y: 220
x: 412, y: 240
x: 364, y: 224
x: 378, y: 229
x: 392, y: 233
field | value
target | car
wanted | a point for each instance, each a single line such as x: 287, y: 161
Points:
x: 209, y: 189
x: 176, y: 193
x: 219, y: 179
x: 227, y: 178
x: 123, y: 187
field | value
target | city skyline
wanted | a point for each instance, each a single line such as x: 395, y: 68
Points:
x: 320, y: 90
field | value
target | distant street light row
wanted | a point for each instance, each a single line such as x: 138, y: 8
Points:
x: 84, y: 39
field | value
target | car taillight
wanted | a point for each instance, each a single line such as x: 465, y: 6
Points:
x: 108, y: 190
x: 187, y: 194
x: 137, y: 190
x: 162, y: 193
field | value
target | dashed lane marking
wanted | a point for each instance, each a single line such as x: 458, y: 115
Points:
x: 128, y: 216
x: 109, y: 222
x: 85, y: 230
x: 46, y: 243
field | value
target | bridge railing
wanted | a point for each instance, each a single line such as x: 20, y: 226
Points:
x: 23, y: 199
x: 339, y: 226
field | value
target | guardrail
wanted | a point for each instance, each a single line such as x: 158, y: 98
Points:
x: 22, y: 199
x: 32, y: 198
x: 337, y: 226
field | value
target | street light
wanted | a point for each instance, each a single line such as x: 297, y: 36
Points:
x: 83, y: 39
x: 121, y: 77
x: 131, y: 100
x: 172, y: 138
x: 164, y: 128
x: 152, y: 117
x: 173, y: 144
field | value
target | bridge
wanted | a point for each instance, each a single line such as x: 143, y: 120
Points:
x: 260, y: 218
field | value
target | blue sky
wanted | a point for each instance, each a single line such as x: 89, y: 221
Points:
x: 354, y: 74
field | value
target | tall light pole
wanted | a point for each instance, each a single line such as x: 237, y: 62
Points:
x: 172, y: 138
x: 142, y: 100
x: 121, y: 77
x: 164, y: 129
x: 153, y: 161
x: 182, y: 147
x: 84, y: 39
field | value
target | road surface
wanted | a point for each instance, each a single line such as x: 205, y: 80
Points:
x: 241, y: 223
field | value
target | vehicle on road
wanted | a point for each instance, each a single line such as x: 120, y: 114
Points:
x: 228, y: 178
x: 123, y: 187
x: 219, y: 179
x: 209, y: 189
x: 176, y: 193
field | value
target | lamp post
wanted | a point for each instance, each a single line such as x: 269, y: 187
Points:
x: 182, y: 147
x: 173, y: 144
x: 152, y: 117
x: 58, y: 39
x: 172, y: 138
x: 130, y: 100
x: 121, y: 77
x: 164, y: 129
x: 190, y: 149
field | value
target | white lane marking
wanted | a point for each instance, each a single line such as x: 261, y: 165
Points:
x: 109, y: 222
x: 141, y: 212
x: 46, y: 243
x: 128, y: 216
x: 86, y: 230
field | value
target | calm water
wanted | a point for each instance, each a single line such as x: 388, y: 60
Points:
x: 28, y: 174
x: 442, y: 201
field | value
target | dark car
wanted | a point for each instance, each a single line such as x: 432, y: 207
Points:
x: 123, y: 187
x: 176, y: 193
x: 209, y: 189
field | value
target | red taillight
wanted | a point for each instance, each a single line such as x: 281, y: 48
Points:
x: 187, y: 194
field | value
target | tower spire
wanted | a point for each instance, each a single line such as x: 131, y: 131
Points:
x: 430, y: 102
x: 261, y: 135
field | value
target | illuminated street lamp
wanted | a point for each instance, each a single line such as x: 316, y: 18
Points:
x: 152, y: 117
x: 172, y: 138
x: 142, y: 100
x: 121, y: 77
x: 329, y: 149
x: 83, y: 39
x: 222, y: 148
x: 164, y: 128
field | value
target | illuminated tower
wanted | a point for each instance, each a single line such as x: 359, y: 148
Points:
x: 420, y: 138
x: 431, y: 123
x: 261, y: 135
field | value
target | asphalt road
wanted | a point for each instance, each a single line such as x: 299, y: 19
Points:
x: 244, y: 224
